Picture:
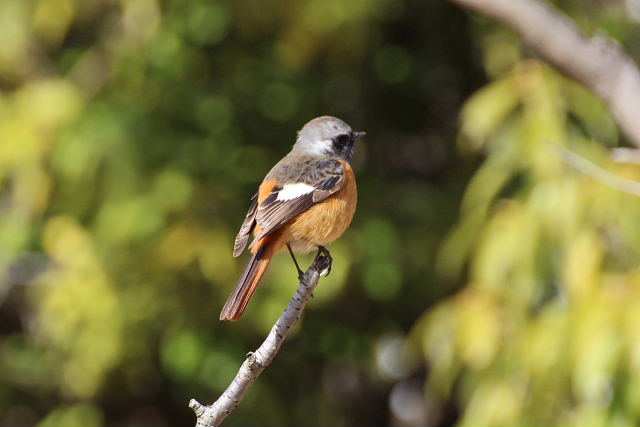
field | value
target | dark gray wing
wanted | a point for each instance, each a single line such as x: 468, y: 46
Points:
x: 326, y: 176
x: 246, y: 228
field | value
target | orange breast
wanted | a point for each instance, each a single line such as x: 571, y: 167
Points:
x: 326, y: 221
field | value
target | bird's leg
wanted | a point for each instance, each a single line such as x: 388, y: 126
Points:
x: 324, y: 253
x: 295, y: 261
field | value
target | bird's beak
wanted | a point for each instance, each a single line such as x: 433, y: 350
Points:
x: 357, y: 135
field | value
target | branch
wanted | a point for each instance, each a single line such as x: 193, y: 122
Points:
x: 256, y: 362
x: 597, y: 62
x: 625, y: 155
x: 599, y: 174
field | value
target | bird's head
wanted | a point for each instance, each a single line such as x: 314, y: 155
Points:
x: 327, y: 135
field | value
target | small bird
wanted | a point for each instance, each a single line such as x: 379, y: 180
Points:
x: 305, y: 202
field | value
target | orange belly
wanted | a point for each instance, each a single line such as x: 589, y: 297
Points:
x: 326, y: 221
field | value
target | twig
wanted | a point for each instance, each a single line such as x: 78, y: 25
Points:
x: 596, y: 62
x: 599, y: 174
x: 625, y: 155
x: 256, y: 362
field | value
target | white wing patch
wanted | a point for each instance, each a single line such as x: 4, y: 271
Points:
x: 291, y: 191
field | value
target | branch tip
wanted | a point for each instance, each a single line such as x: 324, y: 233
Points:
x: 197, y: 407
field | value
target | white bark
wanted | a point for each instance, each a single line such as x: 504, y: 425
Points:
x: 256, y: 362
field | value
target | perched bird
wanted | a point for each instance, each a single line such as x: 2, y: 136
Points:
x: 304, y: 203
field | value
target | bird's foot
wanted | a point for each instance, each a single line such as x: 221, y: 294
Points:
x: 323, y: 261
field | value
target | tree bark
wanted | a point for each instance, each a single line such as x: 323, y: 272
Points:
x: 257, y: 361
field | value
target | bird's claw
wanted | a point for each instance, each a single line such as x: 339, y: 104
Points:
x: 323, y: 261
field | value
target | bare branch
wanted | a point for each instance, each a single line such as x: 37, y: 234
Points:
x: 625, y: 155
x: 256, y: 362
x: 596, y: 62
x: 599, y: 174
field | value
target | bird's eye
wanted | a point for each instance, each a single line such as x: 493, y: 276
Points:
x: 341, y: 141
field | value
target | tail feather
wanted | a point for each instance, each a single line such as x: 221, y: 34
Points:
x: 246, y: 286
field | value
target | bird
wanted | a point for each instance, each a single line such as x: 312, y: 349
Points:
x: 305, y: 202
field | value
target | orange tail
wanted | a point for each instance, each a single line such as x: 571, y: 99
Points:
x: 246, y: 286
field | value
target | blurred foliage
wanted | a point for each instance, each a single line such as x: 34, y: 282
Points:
x: 544, y: 331
x: 133, y: 133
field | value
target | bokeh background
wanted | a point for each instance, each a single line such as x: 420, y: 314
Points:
x: 484, y: 281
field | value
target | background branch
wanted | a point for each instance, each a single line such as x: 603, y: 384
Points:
x: 607, y: 178
x: 596, y: 62
x: 256, y: 362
